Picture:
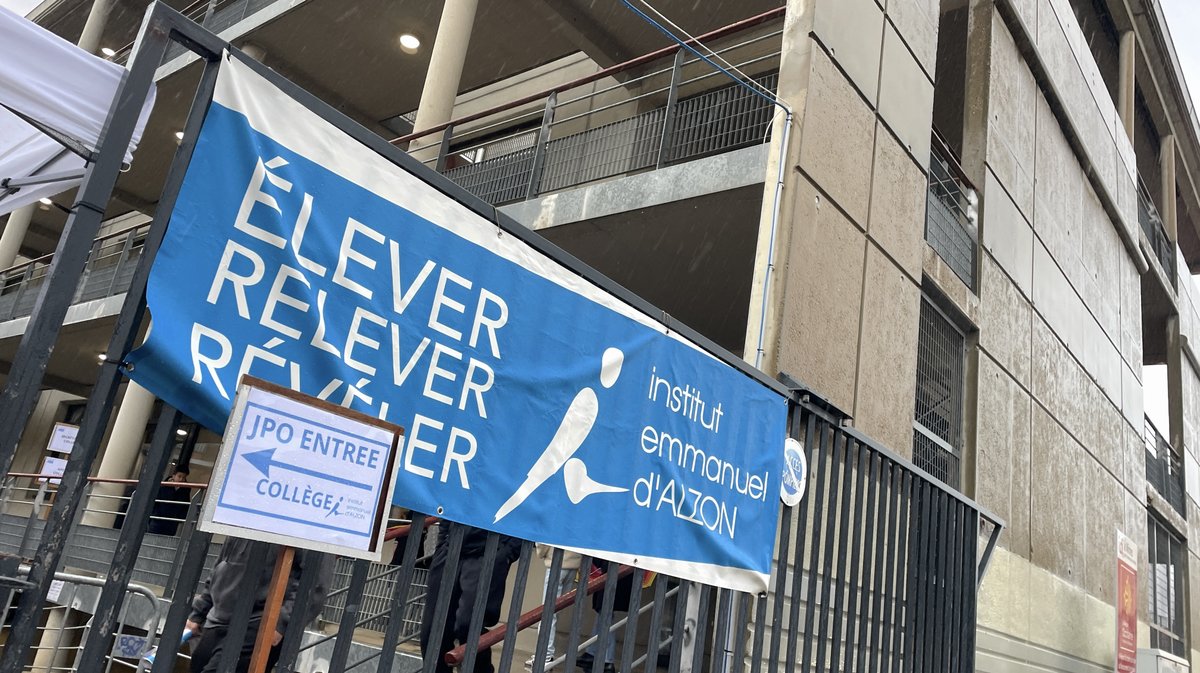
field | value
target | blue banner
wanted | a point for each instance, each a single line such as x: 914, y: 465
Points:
x: 534, y: 403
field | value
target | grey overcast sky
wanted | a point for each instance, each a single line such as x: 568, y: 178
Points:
x: 1183, y: 19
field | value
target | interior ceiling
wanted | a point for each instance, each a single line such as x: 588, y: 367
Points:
x: 693, y: 259
x: 347, y: 54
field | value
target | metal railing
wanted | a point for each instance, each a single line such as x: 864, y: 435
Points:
x: 215, y: 15
x: 676, y: 109
x: 951, y: 212
x: 1164, y: 469
x: 109, y: 270
x: 1156, y: 233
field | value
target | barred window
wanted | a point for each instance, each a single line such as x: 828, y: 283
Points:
x: 1167, y: 588
x: 938, y: 421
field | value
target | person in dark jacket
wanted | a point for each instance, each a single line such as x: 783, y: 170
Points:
x: 219, y: 595
x: 170, y: 505
x: 464, y: 588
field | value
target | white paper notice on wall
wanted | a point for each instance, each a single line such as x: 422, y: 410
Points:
x: 52, y: 467
x: 62, y: 439
x: 56, y: 587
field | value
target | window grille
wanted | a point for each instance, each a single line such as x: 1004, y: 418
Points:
x: 1168, y: 587
x: 938, y: 419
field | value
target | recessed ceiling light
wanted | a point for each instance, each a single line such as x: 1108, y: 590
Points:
x: 102, y: 357
x: 45, y: 201
x: 409, y: 43
x: 108, y: 52
x: 181, y: 432
x: 179, y: 135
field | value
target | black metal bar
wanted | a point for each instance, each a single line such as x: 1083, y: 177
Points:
x: 23, y: 384
x: 446, y: 584
x: 760, y: 629
x: 585, y: 564
x: 604, y: 619
x: 349, y: 618
x: 545, y: 634
x: 678, y: 624
x: 539, y: 151
x: 514, y: 609
x: 293, y: 634
x: 896, y: 603
x: 701, y: 629
x: 471, y: 652
x: 239, y: 621
x: 668, y: 129
x: 721, y: 631
x: 941, y: 566
x: 956, y: 587
x: 129, y: 542
x: 811, y: 442
x: 866, y: 588
x: 412, y: 545
x: 885, y: 561
x: 781, y: 580
x: 444, y: 149
x: 654, y: 645
x: 631, y: 620
x: 185, y: 583
x: 823, y: 472
x: 987, y: 552
x: 918, y: 580
x: 852, y: 554
x: 739, y: 630
x: 832, y: 542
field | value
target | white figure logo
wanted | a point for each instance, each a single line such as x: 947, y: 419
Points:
x: 574, y: 428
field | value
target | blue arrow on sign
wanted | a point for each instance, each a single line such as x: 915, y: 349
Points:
x: 264, y: 460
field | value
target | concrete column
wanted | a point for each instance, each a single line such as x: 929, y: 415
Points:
x: 977, y: 95
x: 93, y: 30
x: 1175, y: 364
x: 120, y: 456
x: 1127, y: 80
x: 14, y: 234
x: 1166, y: 166
x: 53, y: 638
x: 444, y: 74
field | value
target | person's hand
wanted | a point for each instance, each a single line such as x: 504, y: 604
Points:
x: 276, y: 637
x: 193, y: 627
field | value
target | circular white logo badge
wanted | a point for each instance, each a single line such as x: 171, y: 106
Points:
x: 795, y: 473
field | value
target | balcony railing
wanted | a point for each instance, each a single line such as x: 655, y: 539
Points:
x: 1156, y: 233
x: 109, y: 270
x: 215, y: 15
x: 1164, y: 469
x: 951, y: 212
x: 681, y: 109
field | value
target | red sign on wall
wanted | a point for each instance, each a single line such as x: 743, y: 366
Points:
x: 1126, y: 604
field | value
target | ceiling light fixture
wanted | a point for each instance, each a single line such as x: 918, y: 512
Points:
x: 45, y: 201
x: 181, y: 432
x: 108, y: 52
x: 179, y: 135
x: 409, y: 43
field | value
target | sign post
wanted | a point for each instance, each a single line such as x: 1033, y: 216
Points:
x: 300, y: 472
x: 1126, y: 604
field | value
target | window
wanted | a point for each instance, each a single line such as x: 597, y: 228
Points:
x: 937, y: 425
x: 1167, y: 588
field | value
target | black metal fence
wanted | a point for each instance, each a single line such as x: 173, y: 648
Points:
x: 877, y: 568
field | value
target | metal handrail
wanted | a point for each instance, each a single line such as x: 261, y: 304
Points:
x: 632, y: 63
x: 50, y: 255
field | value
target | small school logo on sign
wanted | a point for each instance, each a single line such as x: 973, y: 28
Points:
x: 298, y: 474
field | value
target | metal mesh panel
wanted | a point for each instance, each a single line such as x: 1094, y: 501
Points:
x: 948, y: 229
x: 721, y: 120
x: 376, y: 598
x: 1167, y: 582
x: 941, y: 359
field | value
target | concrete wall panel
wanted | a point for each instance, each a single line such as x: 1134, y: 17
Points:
x: 1007, y: 234
x: 824, y: 277
x: 917, y: 23
x: 1012, y: 126
x: 887, y: 359
x: 852, y: 30
x: 1105, y: 513
x: 1058, y: 485
x: 1002, y: 453
x: 906, y: 97
x: 1005, y: 322
x: 897, y: 203
x: 837, y: 143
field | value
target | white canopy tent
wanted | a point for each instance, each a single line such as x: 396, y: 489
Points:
x: 54, y: 98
